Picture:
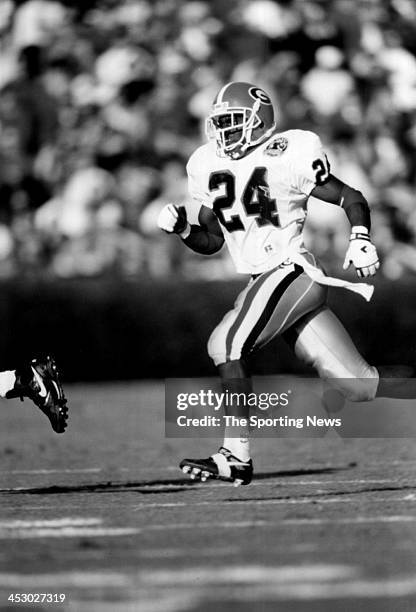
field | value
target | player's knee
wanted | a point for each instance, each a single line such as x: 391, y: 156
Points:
x: 216, y: 347
x: 228, y: 368
x: 357, y: 380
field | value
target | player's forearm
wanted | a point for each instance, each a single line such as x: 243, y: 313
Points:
x: 351, y: 200
x: 203, y: 242
x: 356, y: 207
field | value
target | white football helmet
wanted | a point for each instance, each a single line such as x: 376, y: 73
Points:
x: 242, y: 117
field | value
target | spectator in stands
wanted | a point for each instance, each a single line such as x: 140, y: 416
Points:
x: 98, y: 98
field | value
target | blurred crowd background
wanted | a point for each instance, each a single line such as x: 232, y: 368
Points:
x: 103, y: 101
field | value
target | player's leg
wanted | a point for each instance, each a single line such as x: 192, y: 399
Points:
x: 38, y: 381
x: 270, y: 304
x: 232, y: 462
x: 321, y: 341
x: 266, y: 302
x: 234, y: 338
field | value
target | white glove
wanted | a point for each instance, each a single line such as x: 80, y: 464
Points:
x: 172, y: 219
x: 361, y: 252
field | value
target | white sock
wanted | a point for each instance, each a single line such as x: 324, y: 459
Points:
x: 7, y: 380
x: 239, y: 447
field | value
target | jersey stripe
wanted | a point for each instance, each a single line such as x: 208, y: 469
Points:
x: 251, y: 294
x: 221, y: 93
x: 269, y: 309
x: 311, y: 299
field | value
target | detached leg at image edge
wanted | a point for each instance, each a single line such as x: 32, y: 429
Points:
x: 38, y: 381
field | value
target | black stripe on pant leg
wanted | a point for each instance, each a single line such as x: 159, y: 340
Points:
x: 248, y: 300
x: 269, y: 309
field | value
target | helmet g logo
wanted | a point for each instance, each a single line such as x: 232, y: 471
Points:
x: 258, y: 94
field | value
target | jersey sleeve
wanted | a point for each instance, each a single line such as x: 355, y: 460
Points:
x: 310, y: 166
x: 198, y: 196
x: 196, y: 170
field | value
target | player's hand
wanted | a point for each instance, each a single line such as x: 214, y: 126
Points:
x: 172, y: 219
x: 361, y: 253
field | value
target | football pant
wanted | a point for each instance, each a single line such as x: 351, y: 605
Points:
x: 321, y: 341
x: 284, y: 299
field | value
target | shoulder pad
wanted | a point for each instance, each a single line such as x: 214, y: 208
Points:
x: 200, y: 157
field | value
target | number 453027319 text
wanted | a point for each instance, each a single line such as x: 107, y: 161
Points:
x: 34, y: 598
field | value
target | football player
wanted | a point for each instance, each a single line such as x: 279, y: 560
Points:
x: 250, y: 187
x: 39, y: 381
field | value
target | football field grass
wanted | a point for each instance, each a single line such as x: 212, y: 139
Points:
x: 103, y: 515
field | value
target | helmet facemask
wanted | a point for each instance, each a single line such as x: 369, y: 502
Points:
x: 233, y: 129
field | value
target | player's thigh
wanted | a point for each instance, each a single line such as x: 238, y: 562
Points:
x: 301, y: 297
x: 321, y: 341
x: 240, y: 327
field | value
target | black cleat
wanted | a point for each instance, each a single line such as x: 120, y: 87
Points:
x: 221, y: 466
x: 40, y: 382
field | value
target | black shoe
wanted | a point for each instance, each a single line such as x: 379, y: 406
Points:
x: 40, y: 382
x: 222, y: 466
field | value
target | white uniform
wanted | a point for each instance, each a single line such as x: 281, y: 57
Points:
x: 260, y: 201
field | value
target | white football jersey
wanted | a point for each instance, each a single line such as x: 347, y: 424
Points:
x: 261, y: 199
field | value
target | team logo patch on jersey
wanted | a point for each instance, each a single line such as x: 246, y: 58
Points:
x: 277, y: 147
x: 259, y: 94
